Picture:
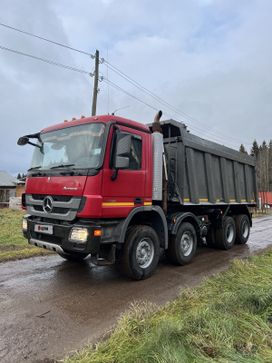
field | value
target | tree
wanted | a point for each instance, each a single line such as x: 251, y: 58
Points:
x: 263, y: 157
x: 255, y: 148
x: 242, y: 149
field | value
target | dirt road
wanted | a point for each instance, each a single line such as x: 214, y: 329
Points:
x: 50, y: 307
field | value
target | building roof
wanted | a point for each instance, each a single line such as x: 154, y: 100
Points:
x: 7, y: 180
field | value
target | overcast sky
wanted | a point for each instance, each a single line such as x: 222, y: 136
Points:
x: 210, y: 59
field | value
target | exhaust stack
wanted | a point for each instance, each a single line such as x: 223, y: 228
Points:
x: 157, y: 158
x: 156, y: 126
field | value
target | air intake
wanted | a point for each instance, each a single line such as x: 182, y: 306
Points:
x: 157, y: 166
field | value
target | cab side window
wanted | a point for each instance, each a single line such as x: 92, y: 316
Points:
x: 135, y: 157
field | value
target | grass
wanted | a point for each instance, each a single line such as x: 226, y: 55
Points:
x: 228, y: 318
x: 256, y: 213
x: 13, y: 245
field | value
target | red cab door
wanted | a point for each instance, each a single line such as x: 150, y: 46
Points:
x: 127, y: 191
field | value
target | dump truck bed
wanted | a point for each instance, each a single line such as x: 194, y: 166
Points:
x: 204, y: 172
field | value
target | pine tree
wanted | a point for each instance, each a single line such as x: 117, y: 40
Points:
x: 264, y: 145
x: 242, y: 149
x: 263, y: 166
x: 255, y: 148
x: 263, y: 156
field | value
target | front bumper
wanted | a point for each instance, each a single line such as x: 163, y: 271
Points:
x: 59, y: 241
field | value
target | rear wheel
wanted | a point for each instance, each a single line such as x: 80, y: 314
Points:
x: 141, y: 252
x: 73, y: 256
x: 242, y: 228
x: 225, y: 236
x: 182, y: 246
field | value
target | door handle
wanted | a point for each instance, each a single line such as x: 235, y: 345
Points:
x: 138, y: 201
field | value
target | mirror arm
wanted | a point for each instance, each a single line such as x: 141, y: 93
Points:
x: 114, y: 174
x: 32, y: 143
x: 34, y: 136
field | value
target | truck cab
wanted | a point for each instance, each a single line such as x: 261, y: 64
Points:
x: 87, y: 179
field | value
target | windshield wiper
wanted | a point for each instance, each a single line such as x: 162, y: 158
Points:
x: 61, y: 166
x: 35, y: 167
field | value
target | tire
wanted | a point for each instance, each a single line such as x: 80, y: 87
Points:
x: 182, y: 246
x: 225, y: 236
x: 242, y: 229
x: 74, y: 256
x: 141, y: 252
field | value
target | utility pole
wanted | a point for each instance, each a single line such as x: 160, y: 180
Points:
x: 96, y: 77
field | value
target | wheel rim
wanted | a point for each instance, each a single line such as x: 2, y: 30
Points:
x: 230, y: 233
x: 145, y: 252
x: 245, y: 229
x: 186, y: 243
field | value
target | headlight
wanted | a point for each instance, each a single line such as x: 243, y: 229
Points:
x: 24, y: 224
x: 78, y: 234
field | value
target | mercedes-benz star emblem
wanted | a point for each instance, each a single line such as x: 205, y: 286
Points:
x: 48, y: 204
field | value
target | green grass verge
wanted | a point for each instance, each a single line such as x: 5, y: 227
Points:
x: 228, y: 318
x: 12, y: 243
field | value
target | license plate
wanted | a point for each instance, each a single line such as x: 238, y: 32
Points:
x: 43, y: 228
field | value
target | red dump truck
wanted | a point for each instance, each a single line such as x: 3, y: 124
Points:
x: 123, y: 192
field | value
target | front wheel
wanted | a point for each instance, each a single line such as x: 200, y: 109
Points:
x: 73, y: 256
x: 141, y: 252
x: 182, y: 246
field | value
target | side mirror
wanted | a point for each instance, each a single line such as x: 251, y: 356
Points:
x: 22, y: 141
x: 122, y: 152
x: 123, y: 145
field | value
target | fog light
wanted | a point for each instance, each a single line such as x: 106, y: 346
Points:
x: 78, y: 234
x: 24, y: 224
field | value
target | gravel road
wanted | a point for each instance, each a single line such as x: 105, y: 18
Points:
x: 50, y: 307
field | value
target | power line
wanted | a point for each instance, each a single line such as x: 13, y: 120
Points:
x: 114, y: 85
x: 114, y: 69
x: 165, y: 103
x: 140, y: 87
x: 46, y: 39
x: 217, y: 138
x: 48, y: 61
x: 110, y: 83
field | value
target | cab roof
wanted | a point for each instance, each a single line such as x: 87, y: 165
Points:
x: 102, y: 118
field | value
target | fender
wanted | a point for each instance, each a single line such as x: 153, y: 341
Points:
x: 178, y: 218
x: 121, y: 229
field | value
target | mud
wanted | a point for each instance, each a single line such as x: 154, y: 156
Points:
x: 50, y: 307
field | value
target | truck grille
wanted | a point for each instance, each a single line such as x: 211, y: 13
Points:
x: 57, y: 198
x: 61, y: 206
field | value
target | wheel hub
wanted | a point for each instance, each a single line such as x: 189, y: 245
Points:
x: 186, y: 243
x: 245, y: 229
x: 230, y: 233
x: 145, y: 253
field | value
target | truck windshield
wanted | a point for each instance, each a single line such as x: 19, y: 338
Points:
x: 76, y: 146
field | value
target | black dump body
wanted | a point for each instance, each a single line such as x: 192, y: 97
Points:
x: 203, y: 172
